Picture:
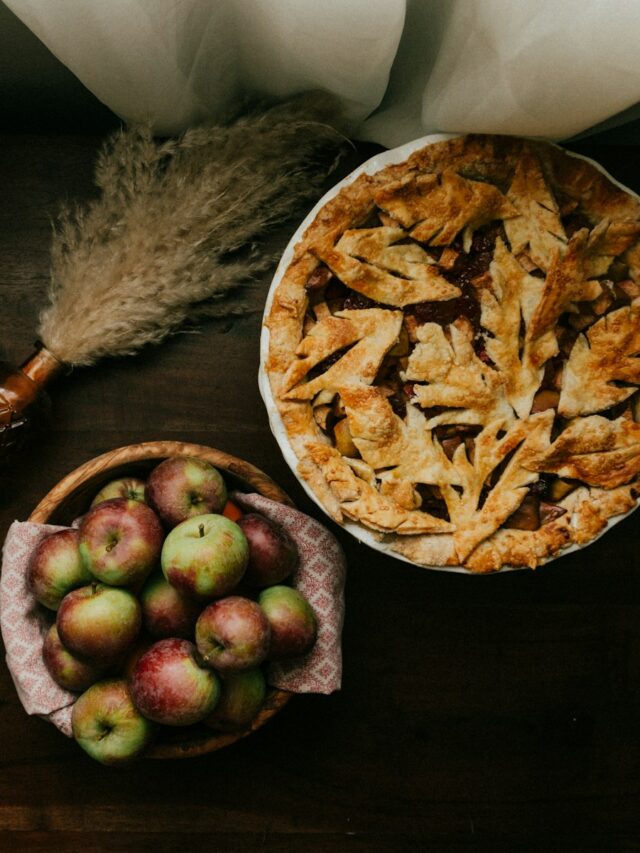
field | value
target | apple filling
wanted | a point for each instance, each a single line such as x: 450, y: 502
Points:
x: 470, y: 272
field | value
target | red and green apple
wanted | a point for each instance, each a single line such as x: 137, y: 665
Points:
x: 232, y: 634
x: 120, y: 541
x: 183, y: 486
x: 68, y: 670
x: 56, y: 567
x: 99, y: 622
x: 167, y: 612
x: 294, y: 625
x: 169, y: 686
x: 243, y: 694
x: 273, y: 555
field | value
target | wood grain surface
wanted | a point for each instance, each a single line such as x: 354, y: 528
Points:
x: 477, y: 713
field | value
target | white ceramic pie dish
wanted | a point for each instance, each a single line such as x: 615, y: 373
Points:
x: 371, y: 166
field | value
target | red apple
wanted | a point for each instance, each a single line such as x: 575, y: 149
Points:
x: 243, y: 694
x: 183, y: 486
x: 108, y: 726
x: 133, y: 655
x: 166, y: 612
x: 56, y: 567
x: 99, y: 622
x: 294, y: 626
x: 205, y: 556
x: 232, y: 634
x: 273, y: 555
x: 120, y: 541
x: 169, y: 686
x: 65, y: 668
x: 132, y: 488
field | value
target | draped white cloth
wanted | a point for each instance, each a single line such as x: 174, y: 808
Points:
x: 401, y: 68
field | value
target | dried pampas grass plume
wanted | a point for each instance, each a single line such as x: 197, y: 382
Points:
x: 174, y: 228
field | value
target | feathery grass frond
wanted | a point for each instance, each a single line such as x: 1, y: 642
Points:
x: 175, y: 226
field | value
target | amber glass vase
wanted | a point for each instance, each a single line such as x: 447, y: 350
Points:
x: 23, y: 402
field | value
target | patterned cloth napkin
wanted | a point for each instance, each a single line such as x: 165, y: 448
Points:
x: 320, y: 577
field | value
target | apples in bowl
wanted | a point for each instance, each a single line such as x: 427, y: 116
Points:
x: 235, y: 699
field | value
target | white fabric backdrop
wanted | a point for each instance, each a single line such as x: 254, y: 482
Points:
x: 401, y: 68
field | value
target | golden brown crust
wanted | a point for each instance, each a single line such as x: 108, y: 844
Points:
x: 432, y: 429
x: 566, y: 283
x: 606, y: 354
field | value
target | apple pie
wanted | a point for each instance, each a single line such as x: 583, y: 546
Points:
x: 453, y: 352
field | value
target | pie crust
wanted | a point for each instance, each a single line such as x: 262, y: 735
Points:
x: 453, y: 353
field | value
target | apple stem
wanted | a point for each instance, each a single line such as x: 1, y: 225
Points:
x: 201, y: 529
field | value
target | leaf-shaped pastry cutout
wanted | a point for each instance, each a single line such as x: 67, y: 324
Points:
x: 366, y: 260
x: 402, y: 492
x: 377, y: 431
x: 566, y: 282
x: 476, y: 520
x: 537, y: 229
x: 437, y: 209
x: 595, y: 450
x: 375, y: 330
x: 607, y: 240
x: 471, y: 391
x: 385, y: 440
x: 361, y: 501
x: 513, y: 298
x: 606, y: 354
x: 381, y: 246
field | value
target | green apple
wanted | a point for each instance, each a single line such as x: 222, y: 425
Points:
x: 243, y: 694
x: 205, y: 556
x: 107, y: 724
x: 131, y: 488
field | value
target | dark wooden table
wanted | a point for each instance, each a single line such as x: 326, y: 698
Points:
x: 490, y: 713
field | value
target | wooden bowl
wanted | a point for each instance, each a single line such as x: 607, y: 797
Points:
x: 72, y: 496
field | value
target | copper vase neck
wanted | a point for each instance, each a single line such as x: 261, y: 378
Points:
x: 19, y: 387
x: 41, y: 366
